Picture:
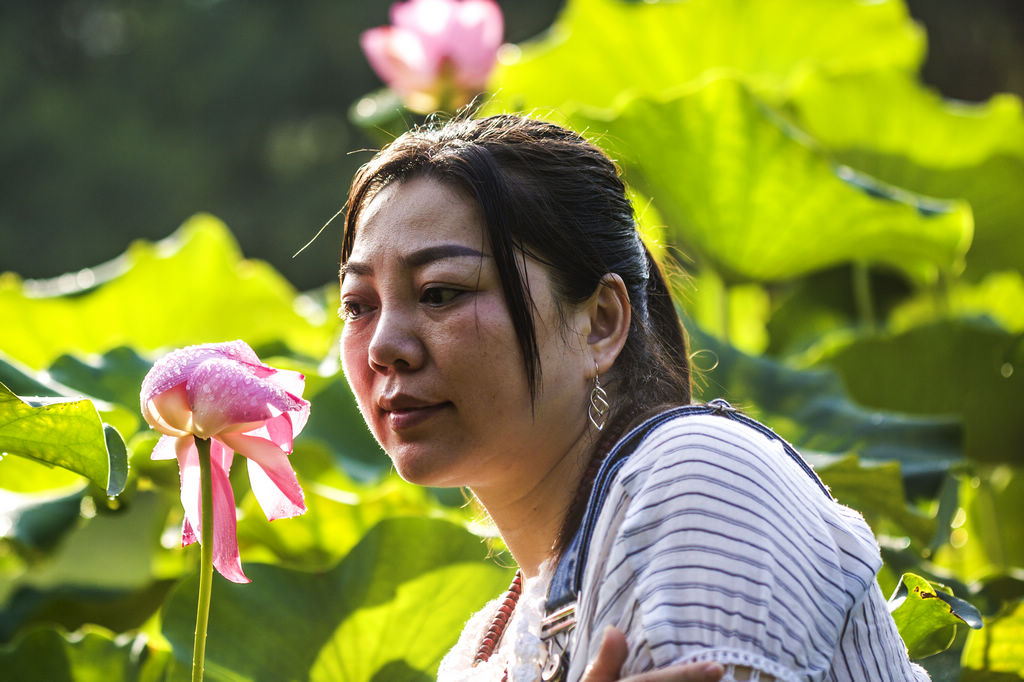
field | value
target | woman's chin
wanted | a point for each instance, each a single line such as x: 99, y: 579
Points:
x: 424, y: 471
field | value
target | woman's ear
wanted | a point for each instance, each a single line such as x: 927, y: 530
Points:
x: 609, y: 316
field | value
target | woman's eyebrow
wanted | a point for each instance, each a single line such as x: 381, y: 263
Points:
x: 416, y: 259
x: 354, y: 268
x: 429, y: 254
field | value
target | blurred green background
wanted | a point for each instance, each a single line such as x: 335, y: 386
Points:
x: 121, y: 119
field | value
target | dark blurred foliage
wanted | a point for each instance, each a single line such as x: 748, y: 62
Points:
x: 121, y: 118
x: 975, y: 48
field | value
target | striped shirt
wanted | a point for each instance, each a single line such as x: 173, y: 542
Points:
x: 713, y: 544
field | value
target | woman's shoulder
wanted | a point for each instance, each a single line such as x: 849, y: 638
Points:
x: 733, y: 485
x: 740, y: 458
x: 711, y: 441
x: 715, y: 540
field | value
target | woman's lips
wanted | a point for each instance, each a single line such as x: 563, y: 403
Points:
x: 411, y: 417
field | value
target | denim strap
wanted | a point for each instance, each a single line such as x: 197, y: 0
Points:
x: 565, y: 584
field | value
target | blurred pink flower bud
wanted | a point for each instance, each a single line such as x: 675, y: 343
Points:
x: 223, y: 392
x: 436, y: 52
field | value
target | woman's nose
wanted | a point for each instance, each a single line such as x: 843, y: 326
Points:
x: 395, y: 343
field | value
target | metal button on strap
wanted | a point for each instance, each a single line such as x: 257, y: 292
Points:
x: 554, y: 631
x: 554, y: 668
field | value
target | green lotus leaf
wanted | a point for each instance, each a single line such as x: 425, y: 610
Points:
x: 123, y: 416
x: 91, y: 655
x: 131, y: 533
x: 841, y: 110
x: 336, y: 422
x: 986, y: 536
x: 106, y: 567
x: 994, y: 652
x: 36, y: 523
x: 23, y: 475
x: 389, y: 610
x: 24, y: 381
x: 999, y: 297
x: 598, y: 49
x: 66, y: 433
x: 812, y: 409
x: 72, y: 606
x: 737, y: 314
x: 115, y: 377
x: 926, y: 144
x: 876, y: 490
x: 969, y: 369
x: 340, y: 512
x: 751, y: 198
x: 927, y: 615
x: 190, y: 288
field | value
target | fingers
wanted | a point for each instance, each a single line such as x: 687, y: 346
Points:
x: 606, y: 665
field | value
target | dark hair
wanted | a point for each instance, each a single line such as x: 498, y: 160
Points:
x: 547, y: 193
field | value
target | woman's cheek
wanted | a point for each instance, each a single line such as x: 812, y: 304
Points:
x: 355, y: 366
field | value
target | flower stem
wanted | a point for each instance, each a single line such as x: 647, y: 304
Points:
x: 205, y: 559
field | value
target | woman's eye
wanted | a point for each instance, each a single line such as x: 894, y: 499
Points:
x: 350, y: 310
x: 439, y: 295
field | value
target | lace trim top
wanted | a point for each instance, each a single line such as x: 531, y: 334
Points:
x: 520, y: 651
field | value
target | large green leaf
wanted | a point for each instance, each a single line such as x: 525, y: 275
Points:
x: 93, y: 655
x: 996, y: 652
x: 751, y: 198
x: 805, y: 310
x: 598, y: 49
x: 917, y: 123
x: 64, y: 433
x: 340, y: 512
x: 737, y: 314
x: 72, y: 377
x: 929, y: 145
x: 814, y: 411
x: 927, y: 615
x: 24, y: 381
x: 389, y: 610
x: 999, y: 296
x: 336, y: 422
x: 970, y: 369
x: 71, y: 607
x: 116, y: 376
x: 106, y: 569
x: 132, y: 534
x: 36, y: 523
x: 876, y: 490
x: 24, y: 475
x: 987, y: 537
x: 191, y: 288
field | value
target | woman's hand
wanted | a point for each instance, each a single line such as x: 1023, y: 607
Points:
x: 606, y: 666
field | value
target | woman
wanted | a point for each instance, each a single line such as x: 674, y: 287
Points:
x: 504, y: 326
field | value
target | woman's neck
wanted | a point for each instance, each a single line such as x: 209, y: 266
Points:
x: 530, y: 510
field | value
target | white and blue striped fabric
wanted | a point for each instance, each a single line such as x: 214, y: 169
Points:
x: 714, y: 544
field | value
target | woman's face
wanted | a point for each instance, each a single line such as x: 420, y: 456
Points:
x: 431, y: 353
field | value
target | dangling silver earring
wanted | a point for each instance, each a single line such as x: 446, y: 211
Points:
x: 599, y: 405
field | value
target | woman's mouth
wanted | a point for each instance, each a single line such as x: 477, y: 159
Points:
x: 408, y: 418
x: 404, y: 414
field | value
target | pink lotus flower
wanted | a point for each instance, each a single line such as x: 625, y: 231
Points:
x: 436, y: 52
x: 223, y: 392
